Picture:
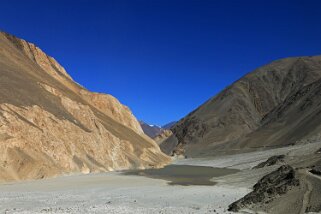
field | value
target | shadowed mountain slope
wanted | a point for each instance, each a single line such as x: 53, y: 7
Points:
x: 150, y: 130
x: 275, y: 105
x: 154, y: 131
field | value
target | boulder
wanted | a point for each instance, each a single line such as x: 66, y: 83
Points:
x: 275, y: 183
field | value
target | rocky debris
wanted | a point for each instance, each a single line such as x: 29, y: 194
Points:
x: 266, y: 189
x: 271, y: 161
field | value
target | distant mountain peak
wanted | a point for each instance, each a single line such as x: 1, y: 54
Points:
x: 154, y: 130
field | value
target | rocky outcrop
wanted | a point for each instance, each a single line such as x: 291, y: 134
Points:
x: 316, y: 170
x: 266, y: 189
x: 277, y: 159
x: 276, y: 105
x: 50, y: 125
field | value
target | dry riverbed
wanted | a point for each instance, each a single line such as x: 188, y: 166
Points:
x: 116, y: 192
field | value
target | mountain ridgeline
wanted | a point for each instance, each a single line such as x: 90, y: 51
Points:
x: 50, y: 125
x: 276, y: 105
x: 154, y: 131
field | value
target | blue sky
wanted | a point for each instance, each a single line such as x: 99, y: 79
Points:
x: 164, y: 58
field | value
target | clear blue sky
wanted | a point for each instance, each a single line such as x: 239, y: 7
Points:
x: 163, y: 58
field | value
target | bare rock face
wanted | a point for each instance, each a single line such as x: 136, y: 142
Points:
x: 271, y: 161
x: 276, y: 183
x: 113, y: 108
x: 50, y: 125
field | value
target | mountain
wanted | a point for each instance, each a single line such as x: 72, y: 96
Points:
x: 50, y: 125
x: 150, y: 130
x: 153, y: 130
x: 161, y: 137
x: 169, y: 125
x: 276, y: 105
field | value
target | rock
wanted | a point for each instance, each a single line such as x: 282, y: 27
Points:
x: 275, y: 183
x: 271, y: 161
x: 316, y: 167
x: 316, y: 170
x: 318, y: 152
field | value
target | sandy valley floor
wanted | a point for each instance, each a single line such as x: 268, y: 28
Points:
x: 117, y: 193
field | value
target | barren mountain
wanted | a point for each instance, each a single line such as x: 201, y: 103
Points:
x: 276, y: 105
x: 169, y: 125
x: 156, y: 132
x: 50, y: 125
x: 150, y: 130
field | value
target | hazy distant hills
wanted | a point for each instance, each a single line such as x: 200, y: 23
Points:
x: 50, y: 125
x: 277, y: 104
x: 153, y: 130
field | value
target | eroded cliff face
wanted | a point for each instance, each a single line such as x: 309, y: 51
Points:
x: 50, y: 125
x: 110, y: 106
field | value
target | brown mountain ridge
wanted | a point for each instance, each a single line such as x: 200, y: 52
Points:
x: 50, y: 125
x: 276, y: 105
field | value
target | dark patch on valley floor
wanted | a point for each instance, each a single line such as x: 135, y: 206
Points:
x: 184, y: 175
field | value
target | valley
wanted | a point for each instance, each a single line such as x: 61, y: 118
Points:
x: 116, y: 192
x: 254, y: 147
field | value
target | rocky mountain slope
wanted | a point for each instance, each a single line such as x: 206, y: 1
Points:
x: 166, y: 133
x: 154, y: 131
x: 50, y: 125
x: 275, y: 105
x: 169, y: 125
x: 150, y: 130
